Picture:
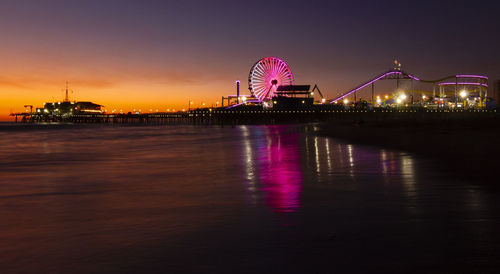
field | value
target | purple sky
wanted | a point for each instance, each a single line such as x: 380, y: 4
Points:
x: 201, y: 47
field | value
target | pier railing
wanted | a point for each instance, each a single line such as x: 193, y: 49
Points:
x: 257, y: 116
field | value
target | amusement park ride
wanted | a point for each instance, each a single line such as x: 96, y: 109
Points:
x: 465, y: 90
x: 271, y: 85
x: 273, y: 92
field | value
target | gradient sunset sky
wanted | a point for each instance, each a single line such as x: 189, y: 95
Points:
x: 160, y: 54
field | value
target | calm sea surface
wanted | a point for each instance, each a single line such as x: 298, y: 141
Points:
x: 237, y: 199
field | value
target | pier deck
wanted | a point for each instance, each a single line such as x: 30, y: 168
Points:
x: 257, y: 116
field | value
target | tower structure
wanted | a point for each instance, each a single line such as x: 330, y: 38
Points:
x: 66, y: 98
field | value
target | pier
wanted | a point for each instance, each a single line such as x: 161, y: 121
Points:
x: 253, y: 116
x: 274, y: 98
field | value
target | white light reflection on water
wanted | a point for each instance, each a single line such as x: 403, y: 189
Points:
x: 249, y: 164
x: 408, y: 174
x: 383, y: 159
x: 328, y: 156
x: 274, y: 170
x: 316, y: 154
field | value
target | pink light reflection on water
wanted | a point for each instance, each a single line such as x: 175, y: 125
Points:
x: 280, y: 172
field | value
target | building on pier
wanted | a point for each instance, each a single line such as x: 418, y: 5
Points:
x: 293, y: 97
x: 67, y: 107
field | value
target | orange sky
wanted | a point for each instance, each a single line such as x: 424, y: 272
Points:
x: 126, y: 78
x: 122, y: 85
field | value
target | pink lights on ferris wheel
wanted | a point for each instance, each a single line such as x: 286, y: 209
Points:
x: 266, y: 75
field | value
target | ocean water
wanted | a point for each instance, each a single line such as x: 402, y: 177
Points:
x: 242, y: 199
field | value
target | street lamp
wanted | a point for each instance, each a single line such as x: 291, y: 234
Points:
x: 463, y: 94
x: 346, y: 101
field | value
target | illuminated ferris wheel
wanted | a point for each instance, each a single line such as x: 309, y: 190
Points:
x: 266, y: 75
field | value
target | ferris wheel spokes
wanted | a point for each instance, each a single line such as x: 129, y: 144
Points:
x: 266, y: 75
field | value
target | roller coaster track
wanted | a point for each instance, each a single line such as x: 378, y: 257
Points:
x: 399, y: 74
